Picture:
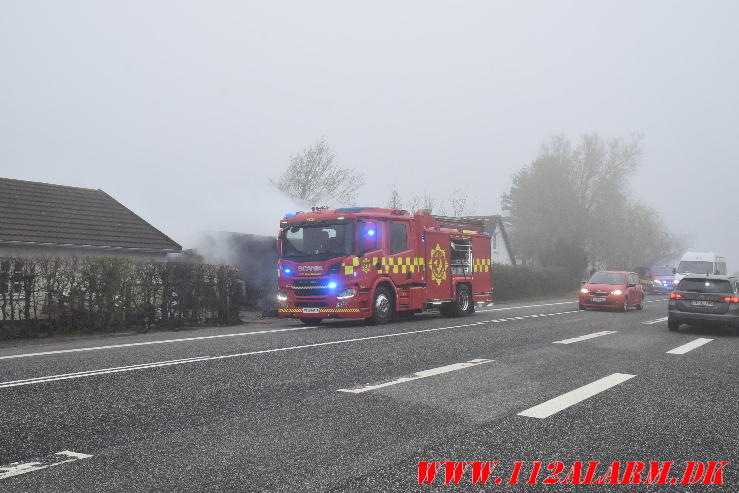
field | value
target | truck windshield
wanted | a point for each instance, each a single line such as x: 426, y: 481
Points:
x: 320, y: 241
x: 695, y: 267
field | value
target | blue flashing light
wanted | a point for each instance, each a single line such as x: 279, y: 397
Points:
x: 287, y: 270
x: 332, y: 285
x: 292, y: 214
x: 370, y: 232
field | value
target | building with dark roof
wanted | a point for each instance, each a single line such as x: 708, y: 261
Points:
x: 44, y: 219
x: 500, y: 247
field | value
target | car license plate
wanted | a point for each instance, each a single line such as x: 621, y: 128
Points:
x: 599, y: 300
x: 311, y: 310
x: 701, y: 303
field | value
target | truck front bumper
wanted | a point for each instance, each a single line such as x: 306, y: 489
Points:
x: 325, y: 307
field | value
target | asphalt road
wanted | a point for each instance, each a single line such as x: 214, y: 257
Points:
x: 350, y: 407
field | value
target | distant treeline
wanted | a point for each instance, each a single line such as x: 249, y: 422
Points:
x: 45, y: 295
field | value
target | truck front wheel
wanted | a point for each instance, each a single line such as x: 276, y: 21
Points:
x: 383, y: 306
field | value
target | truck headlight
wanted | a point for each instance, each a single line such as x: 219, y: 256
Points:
x: 656, y: 283
x: 281, y: 295
x: 346, y: 293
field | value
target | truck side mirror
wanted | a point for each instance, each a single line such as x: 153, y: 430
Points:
x: 674, y: 271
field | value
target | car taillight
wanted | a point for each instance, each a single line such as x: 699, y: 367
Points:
x: 674, y: 296
x: 731, y: 299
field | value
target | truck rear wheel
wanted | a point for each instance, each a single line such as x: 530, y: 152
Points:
x: 463, y: 305
x: 383, y: 306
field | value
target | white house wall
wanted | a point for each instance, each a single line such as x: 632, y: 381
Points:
x: 498, y: 251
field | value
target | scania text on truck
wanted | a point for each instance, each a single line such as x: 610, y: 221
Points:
x: 372, y: 263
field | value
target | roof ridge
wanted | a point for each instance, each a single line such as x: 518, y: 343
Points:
x: 142, y: 219
x: 74, y: 214
x: 50, y: 184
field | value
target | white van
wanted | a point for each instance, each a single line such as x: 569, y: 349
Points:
x: 700, y: 263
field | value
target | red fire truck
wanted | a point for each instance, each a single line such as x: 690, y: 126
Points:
x: 371, y: 263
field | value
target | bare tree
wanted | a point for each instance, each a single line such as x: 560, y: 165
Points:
x: 395, y: 202
x: 426, y: 202
x: 313, y: 179
x: 459, y: 202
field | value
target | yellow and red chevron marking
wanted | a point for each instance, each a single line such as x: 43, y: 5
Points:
x: 481, y: 265
x: 386, y: 265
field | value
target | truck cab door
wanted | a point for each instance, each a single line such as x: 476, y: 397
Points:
x: 400, y: 253
x: 370, y: 237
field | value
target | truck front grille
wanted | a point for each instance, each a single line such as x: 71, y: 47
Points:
x: 310, y: 287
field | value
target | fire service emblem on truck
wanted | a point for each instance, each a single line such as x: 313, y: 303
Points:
x: 438, y: 265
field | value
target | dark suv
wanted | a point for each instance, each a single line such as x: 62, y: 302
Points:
x: 704, y: 299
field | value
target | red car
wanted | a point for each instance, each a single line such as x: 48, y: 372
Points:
x: 612, y: 289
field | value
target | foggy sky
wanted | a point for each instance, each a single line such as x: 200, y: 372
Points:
x: 183, y: 110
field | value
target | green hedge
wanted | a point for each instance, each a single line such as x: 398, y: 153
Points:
x: 516, y: 282
x: 56, y: 295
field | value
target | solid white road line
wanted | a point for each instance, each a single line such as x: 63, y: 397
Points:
x: 571, y: 398
x: 418, y: 375
x: 656, y: 321
x: 585, y: 337
x: 158, y: 364
x: 18, y: 468
x: 219, y: 336
x: 689, y: 346
x: 529, y: 306
x: 147, y: 343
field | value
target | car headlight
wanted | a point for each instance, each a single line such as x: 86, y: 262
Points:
x: 346, y: 293
x: 617, y: 292
x: 584, y: 291
x: 281, y: 295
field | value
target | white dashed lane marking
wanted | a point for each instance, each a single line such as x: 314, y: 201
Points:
x: 585, y: 337
x: 57, y: 459
x: 160, y: 364
x: 689, y: 346
x: 418, y: 375
x: 656, y: 321
x: 553, y: 406
x: 528, y: 306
